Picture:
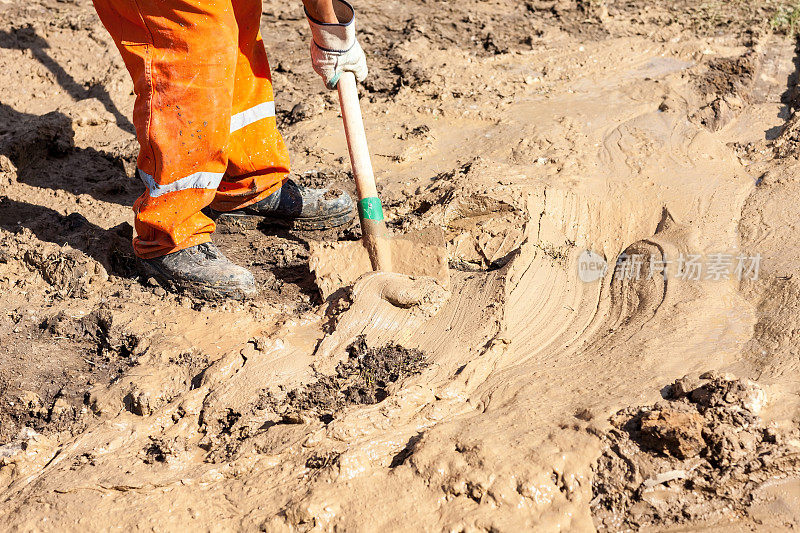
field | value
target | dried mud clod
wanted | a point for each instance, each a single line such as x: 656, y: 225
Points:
x: 699, y: 454
x: 57, y: 399
x: 726, y: 86
x: 364, y: 378
x: 727, y: 75
x: 79, y: 259
x: 44, y: 413
x: 103, y: 328
x: 68, y: 272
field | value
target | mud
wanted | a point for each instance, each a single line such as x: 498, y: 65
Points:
x: 337, y: 265
x: 363, y: 378
x: 701, y: 454
x: 523, y: 135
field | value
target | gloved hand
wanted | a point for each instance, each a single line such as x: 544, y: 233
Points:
x: 334, y: 48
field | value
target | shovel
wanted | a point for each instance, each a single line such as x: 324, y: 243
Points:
x: 339, y: 264
x: 370, y: 211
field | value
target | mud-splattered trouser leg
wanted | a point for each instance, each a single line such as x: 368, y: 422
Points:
x: 204, y: 113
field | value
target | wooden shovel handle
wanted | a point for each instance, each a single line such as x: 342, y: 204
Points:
x: 370, y: 211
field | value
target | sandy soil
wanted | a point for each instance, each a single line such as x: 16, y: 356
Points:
x: 527, y: 394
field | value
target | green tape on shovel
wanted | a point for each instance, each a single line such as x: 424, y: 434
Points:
x: 370, y: 208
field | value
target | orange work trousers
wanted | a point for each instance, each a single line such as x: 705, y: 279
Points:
x: 204, y: 113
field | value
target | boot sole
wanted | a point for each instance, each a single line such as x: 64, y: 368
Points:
x: 235, y: 223
x: 195, y: 288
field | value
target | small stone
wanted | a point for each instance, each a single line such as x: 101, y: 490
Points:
x: 673, y: 432
x: 715, y: 374
x: 683, y: 387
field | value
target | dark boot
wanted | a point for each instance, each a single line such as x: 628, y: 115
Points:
x: 203, y: 270
x: 295, y: 206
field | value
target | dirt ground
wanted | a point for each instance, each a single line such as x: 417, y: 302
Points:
x: 525, y: 396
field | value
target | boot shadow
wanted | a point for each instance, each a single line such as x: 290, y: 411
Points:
x: 26, y: 38
x: 42, y: 148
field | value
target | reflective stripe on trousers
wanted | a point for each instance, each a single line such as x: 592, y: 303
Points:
x: 208, y: 180
x: 254, y: 114
x: 204, y: 113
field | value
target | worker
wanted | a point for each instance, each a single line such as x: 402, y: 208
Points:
x: 205, y: 122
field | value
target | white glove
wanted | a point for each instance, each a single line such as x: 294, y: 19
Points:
x: 334, y: 48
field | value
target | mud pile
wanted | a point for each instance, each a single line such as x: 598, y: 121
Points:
x: 655, y: 140
x: 700, y: 454
x: 362, y: 379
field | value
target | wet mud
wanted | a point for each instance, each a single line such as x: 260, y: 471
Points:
x: 363, y: 378
x: 520, y: 391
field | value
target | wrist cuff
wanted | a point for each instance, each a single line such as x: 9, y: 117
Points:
x: 338, y: 37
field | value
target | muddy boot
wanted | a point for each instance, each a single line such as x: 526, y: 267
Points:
x: 294, y: 206
x: 204, y: 271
